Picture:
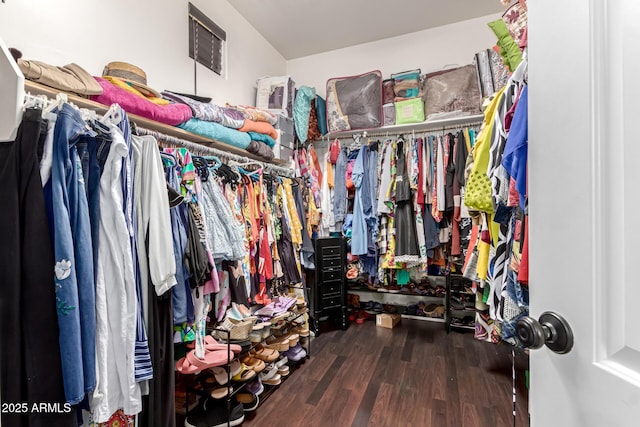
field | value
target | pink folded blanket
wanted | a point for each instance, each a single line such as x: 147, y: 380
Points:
x: 171, y: 114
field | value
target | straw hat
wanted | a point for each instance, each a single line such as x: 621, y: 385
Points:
x: 131, y: 74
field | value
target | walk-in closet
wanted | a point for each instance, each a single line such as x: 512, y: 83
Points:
x: 291, y: 213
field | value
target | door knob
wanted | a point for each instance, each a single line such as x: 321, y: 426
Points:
x: 550, y: 329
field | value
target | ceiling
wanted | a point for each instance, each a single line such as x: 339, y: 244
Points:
x: 299, y: 28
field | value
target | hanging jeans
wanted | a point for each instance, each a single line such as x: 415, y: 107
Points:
x: 181, y: 291
x: 30, y: 365
x: 340, y: 188
x: 73, y: 250
x: 93, y: 152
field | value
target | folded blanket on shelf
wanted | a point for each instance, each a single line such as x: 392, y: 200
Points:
x: 260, y: 149
x: 218, y: 132
x: 129, y: 88
x: 172, y: 114
x: 261, y: 137
x: 259, y: 127
x: 256, y: 114
x: 201, y: 110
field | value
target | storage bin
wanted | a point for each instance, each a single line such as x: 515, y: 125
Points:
x: 409, y: 111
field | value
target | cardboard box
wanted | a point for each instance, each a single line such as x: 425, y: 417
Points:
x: 386, y: 320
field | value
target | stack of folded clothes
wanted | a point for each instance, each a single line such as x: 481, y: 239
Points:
x: 409, y: 107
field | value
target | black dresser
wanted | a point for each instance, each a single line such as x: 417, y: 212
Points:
x: 328, y: 285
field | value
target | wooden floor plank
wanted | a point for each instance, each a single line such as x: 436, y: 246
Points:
x: 412, y: 375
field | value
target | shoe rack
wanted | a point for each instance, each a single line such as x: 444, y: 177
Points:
x: 196, y: 384
x: 461, y: 302
x: 426, y: 302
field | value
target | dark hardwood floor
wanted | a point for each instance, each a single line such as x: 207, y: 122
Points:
x: 413, y: 375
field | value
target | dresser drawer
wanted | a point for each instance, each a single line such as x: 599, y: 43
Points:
x: 330, y: 262
x: 330, y: 276
x: 330, y: 288
x: 331, y: 302
x: 330, y: 251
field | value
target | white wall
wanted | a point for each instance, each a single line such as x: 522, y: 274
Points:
x: 428, y: 50
x: 152, y: 34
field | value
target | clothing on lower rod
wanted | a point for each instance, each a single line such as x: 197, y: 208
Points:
x: 30, y: 365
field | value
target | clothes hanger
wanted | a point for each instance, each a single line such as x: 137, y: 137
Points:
x: 213, y: 161
x: 61, y: 99
x: 113, y: 115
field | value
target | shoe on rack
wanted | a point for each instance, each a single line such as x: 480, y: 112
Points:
x: 394, y: 288
x: 249, y: 401
x: 280, y: 344
x: 220, y: 372
x: 213, y: 413
x: 269, y: 372
x: 296, y: 354
x: 245, y: 374
x: 283, y: 371
x: 255, y: 386
x: 238, y: 331
x: 220, y: 392
x: 282, y: 361
x: 301, y: 330
x: 275, y: 380
x: 265, y: 354
x: 253, y: 363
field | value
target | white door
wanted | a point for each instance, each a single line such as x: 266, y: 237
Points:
x: 584, y: 195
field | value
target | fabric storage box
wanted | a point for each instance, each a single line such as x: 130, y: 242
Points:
x: 389, y: 113
x: 409, y: 111
x: 276, y: 94
x: 354, y: 102
x: 282, y: 152
x: 451, y: 93
x: 386, y: 320
x: 286, y: 132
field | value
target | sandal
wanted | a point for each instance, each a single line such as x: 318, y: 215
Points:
x: 265, y: 354
x: 245, y: 374
x: 253, y: 363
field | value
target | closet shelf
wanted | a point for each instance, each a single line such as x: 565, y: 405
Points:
x: 38, y: 89
x: 417, y: 127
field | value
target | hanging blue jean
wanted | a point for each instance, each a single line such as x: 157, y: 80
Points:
x: 359, y: 232
x: 93, y: 152
x: 74, y: 270
x: 340, y: 188
x: 180, y: 292
x: 372, y: 173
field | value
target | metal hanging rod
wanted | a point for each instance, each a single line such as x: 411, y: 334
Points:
x: 204, y: 150
x: 426, y: 127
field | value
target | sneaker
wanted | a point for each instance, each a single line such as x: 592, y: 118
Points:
x: 213, y: 413
x: 269, y: 372
x: 282, y: 361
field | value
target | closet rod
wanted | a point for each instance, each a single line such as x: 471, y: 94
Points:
x: 366, y: 134
x: 203, y: 149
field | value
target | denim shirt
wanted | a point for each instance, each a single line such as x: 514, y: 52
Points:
x: 359, y: 245
x: 74, y: 268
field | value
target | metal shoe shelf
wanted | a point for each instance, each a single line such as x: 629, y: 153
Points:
x: 236, y: 388
x: 455, y: 287
x: 402, y: 299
